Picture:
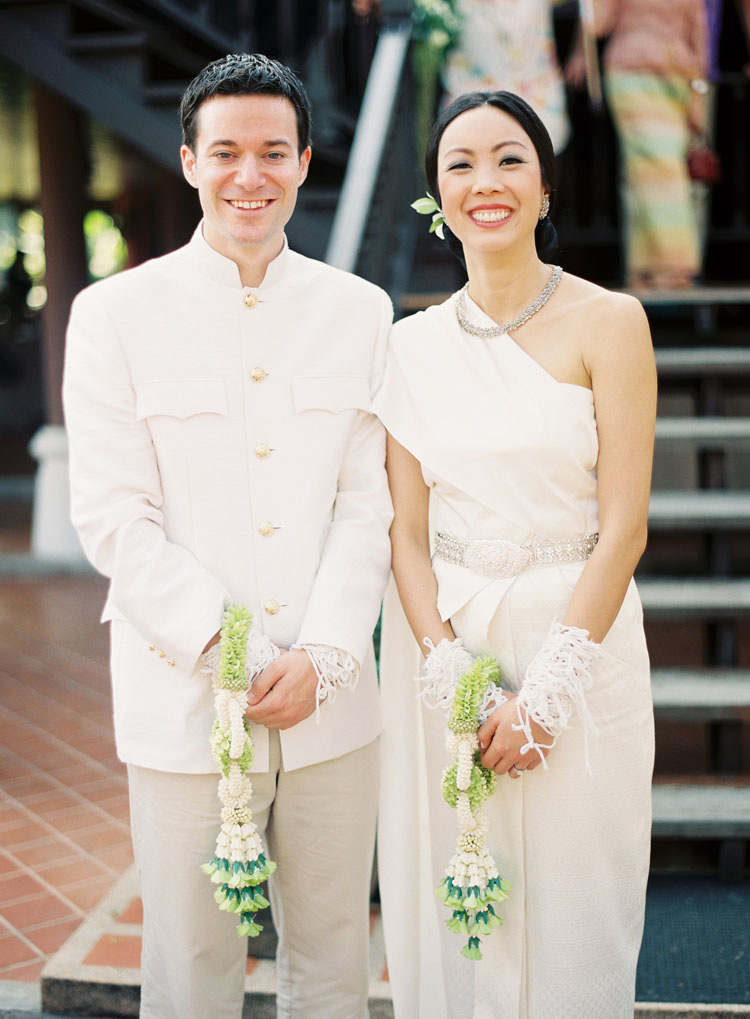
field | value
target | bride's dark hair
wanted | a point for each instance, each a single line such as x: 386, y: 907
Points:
x: 545, y: 235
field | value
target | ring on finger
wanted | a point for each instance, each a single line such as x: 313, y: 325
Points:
x: 518, y: 771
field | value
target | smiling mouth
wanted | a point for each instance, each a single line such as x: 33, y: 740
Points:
x: 259, y: 204
x: 489, y: 215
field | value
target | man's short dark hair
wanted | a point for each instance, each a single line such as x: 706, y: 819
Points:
x: 244, y: 74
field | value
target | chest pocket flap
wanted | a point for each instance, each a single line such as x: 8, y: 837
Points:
x: 180, y: 398
x: 331, y: 392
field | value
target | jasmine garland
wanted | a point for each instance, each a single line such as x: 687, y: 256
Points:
x: 239, y: 865
x: 472, y: 883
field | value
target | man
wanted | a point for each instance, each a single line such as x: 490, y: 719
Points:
x: 222, y: 450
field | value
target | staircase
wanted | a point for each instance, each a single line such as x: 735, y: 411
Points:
x: 126, y: 63
x: 695, y: 577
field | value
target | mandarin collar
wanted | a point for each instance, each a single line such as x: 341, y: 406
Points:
x: 223, y: 270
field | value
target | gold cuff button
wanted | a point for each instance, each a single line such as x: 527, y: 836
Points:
x: 162, y: 654
x: 258, y: 374
x: 171, y: 663
x: 271, y: 606
x: 250, y: 300
x: 152, y: 647
x: 266, y: 528
x: 262, y: 450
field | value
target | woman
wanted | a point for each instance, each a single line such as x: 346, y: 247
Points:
x: 521, y: 413
x: 655, y: 70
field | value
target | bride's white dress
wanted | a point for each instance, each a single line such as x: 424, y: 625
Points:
x: 509, y: 452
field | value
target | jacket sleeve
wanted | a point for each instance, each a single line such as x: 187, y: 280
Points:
x: 348, y: 590
x: 116, y: 497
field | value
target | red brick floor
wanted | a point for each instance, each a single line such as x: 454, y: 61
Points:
x: 64, y: 835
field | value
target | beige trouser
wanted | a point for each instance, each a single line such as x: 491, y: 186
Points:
x: 319, y: 825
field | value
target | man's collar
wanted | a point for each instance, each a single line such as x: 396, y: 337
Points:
x: 223, y: 270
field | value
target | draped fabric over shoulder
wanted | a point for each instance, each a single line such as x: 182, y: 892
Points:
x: 510, y: 453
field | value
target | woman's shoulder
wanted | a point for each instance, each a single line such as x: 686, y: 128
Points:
x: 594, y: 306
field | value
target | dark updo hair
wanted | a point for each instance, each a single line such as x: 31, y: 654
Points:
x: 545, y: 235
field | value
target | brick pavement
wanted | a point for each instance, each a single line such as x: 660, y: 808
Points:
x: 64, y: 834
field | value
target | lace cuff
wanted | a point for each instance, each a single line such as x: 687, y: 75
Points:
x: 261, y: 651
x: 334, y: 668
x: 555, y: 686
x: 445, y: 663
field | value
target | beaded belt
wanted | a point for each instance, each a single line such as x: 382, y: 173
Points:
x: 498, y: 558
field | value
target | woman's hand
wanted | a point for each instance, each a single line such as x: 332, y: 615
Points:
x: 501, y: 744
x: 697, y: 113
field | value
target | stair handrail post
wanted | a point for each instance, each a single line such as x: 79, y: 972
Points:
x: 363, y: 165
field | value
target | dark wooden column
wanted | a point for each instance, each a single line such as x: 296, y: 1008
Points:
x: 64, y: 179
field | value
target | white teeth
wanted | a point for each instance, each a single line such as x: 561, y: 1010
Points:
x: 490, y: 215
x: 249, y: 205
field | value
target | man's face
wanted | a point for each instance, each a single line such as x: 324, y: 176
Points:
x: 247, y: 169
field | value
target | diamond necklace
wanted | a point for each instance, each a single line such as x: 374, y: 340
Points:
x: 489, y: 331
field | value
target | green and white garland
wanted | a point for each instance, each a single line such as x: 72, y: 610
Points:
x: 239, y: 866
x: 472, y: 884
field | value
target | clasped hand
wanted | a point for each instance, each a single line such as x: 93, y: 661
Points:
x: 501, y: 745
x: 284, y: 693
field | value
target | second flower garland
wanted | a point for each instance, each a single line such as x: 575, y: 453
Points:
x: 472, y: 884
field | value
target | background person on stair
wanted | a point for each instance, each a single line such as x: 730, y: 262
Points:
x: 655, y: 76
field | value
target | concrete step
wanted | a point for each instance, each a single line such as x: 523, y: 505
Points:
x: 709, y: 296
x: 674, y: 362
x: 712, y: 296
x: 107, y: 42
x: 701, y: 695
x: 99, y: 962
x: 694, y: 598
x: 703, y: 432
x: 701, y: 510
x: 710, y: 810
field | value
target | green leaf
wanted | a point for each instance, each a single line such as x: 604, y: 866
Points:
x: 425, y: 206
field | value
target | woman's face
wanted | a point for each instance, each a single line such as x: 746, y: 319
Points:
x: 490, y: 181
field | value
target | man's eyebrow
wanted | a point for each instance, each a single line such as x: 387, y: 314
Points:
x: 271, y: 143
x: 500, y: 145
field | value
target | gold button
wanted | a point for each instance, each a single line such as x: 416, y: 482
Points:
x: 162, y: 654
x: 271, y: 606
x: 152, y: 647
x: 258, y: 374
x: 171, y: 663
x: 266, y: 528
x: 262, y: 450
x: 250, y: 300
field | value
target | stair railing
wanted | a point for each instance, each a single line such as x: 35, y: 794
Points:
x: 383, y: 122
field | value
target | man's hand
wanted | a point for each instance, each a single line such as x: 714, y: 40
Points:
x: 284, y: 693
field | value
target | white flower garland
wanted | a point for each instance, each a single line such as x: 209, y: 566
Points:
x: 471, y: 884
x: 239, y: 865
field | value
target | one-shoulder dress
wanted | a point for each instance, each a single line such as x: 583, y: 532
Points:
x: 508, y: 452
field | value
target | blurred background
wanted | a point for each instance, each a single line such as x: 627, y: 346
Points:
x: 648, y: 105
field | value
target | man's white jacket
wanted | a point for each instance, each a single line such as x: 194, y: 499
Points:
x: 222, y: 449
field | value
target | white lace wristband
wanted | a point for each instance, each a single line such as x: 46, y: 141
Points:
x: 335, y: 669
x: 554, y: 689
x: 446, y: 662
x: 261, y: 651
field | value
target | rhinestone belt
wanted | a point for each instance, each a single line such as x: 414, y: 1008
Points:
x: 499, y: 558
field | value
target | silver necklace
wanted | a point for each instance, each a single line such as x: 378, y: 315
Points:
x: 489, y: 331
